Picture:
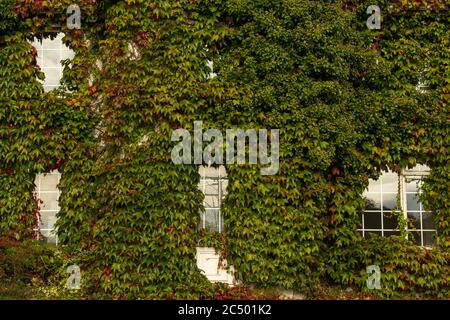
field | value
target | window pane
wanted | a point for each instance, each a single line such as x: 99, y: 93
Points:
x: 389, y: 200
x: 372, y: 220
x: 412, y: 186
x: 373, y: 201
x: 67, y: 54
x: 49, y: 236
x: 374, y: 186
x: 414, y: 218
x: 415, y: 236
x: 412, y: 202
x: 428, y: 220
x: 49, y: 201
x: 51, y: 58
x: 212, y: 220
x: 389, y: 182
x: 211, y: 187
x: 49, y: 182
x: 211, y: 202
x: 52, y: 76
x: 48, y: 220
x: 429, y: 238
x: 392, y: 233
x: 390, y: 220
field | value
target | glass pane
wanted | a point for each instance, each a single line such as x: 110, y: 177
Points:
x: 48, y: 236
x: 428, y: 220
x: 415, y: 236
x: 392, y: 233
x: 373, y: 201
x: 49, y: 182
x: 389, y: 200
x: 50, y: 201
x: 412, y: 202
x: 390, y: 220
x: 51, y: 58
x: 429, y: 238
x: 211, y: 202
x: 212, y: 220
x: 414, y: 218
x: 222, y: 222
x: 372, y: 220
x: 390, y: 182
x: 412, y: 186
x: 52, y: 76
x: 48, y: 220
x: 67, y: 54
x: 212, y: 187
x: 374, y: 186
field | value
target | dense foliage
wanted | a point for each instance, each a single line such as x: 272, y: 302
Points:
x: 344, y: 97
x: 347, y: 105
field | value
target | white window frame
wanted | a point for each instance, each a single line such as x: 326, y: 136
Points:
x: 407, y: 175
x: 38, y: 192
x: 221, y: 178
x: 63, y: 53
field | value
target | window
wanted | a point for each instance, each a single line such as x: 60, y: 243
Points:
x: 48, y: 194
x: 213, y: 184
x: 49, y: 55
x: 381, y: 199
x: 422, y: 221
x: 422, y: 85
x: 50, y: 52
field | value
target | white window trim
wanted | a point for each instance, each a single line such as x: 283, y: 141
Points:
x: 417, y: 173
x: 51, y: 231
x: 220, y: 180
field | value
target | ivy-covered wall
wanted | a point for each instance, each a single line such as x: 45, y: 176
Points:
x: 37, y: 129
x: 344, y: 98
x: 346, y: 101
